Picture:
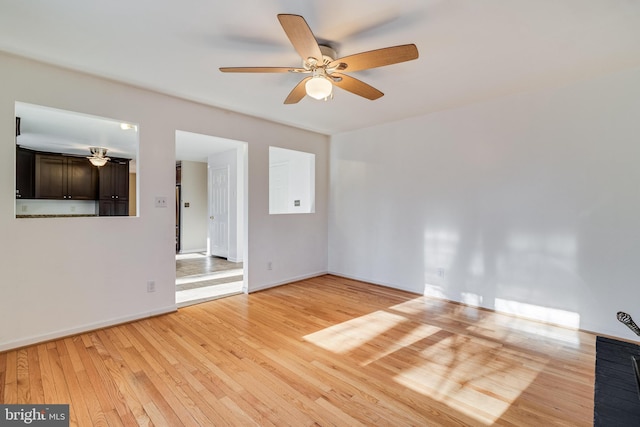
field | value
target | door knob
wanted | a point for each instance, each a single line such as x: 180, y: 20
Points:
x: 211, y: 217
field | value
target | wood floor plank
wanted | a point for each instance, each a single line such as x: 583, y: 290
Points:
x: 92, y: 400
x: 48, y: 384
x: 113, y: 419
x: 188, y: 394
x: 60, y: 380
x: 22, y: 376
x: 153, y: 363
x: 11, y: 378
x: 3, y: 374
x: 322, y: 351
x: 111, y: 387
x: 81, y: 403
x: 195, y: 396
x: 100, y: 385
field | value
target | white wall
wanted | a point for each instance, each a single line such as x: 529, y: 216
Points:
x: 195, y: 223
x: 529, y: 204
x: 49, y: 282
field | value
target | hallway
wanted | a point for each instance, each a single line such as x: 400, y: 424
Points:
x: 202, y: 278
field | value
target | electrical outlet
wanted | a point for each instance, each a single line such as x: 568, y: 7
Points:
x: 269, y: 265
x: 151, y: 286
x: 161, y: 202
x: 24, y: 208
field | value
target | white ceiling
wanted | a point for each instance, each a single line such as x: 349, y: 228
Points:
x: 59, y: 131
x: 470, y: 50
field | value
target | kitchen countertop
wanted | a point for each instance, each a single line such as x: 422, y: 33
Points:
x: 55, y: 216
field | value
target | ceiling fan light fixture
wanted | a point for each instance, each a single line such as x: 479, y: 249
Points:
x: 319, y: 87
x: 97, y: 157
x: 98, y: 161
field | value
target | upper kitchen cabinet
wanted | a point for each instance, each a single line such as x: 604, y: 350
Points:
x: 65, y: 177
x: 25, y: 173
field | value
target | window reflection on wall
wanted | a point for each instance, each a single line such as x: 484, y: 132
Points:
x: 70, y: 164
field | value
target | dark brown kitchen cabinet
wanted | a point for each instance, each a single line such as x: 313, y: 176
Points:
x: 113, y: 207
x: 25, y: 173
x: 65, y: 177
x: 114, y: 188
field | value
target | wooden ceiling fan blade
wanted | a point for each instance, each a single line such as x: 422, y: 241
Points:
x: 298, y: 92
x: 356, y: 86
x: 377, y: 58
x: 262, y: 70
x: 300, y: 36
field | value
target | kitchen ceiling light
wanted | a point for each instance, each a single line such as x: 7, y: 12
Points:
x: 97, y: 157
x: 98, y: 161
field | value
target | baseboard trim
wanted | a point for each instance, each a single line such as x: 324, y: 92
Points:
x: 379, y: 283
x: 286, y: 282
x: 38, y: 339
x: 192, y: 251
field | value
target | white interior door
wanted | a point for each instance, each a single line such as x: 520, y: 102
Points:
x: 219, y: 212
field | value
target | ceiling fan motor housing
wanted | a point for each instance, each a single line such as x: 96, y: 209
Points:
x: 328, y: 56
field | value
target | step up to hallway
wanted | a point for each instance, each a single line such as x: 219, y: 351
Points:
x: 208, y: 279
x: 206, y: 293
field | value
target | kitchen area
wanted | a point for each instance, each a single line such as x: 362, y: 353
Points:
x: 73, y: 165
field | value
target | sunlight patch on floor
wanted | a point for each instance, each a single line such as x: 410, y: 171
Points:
x: 417, y: 334
x: 464, y: 372
x: 414, y: 306
x: 349, y: 335
x: 467, y: 374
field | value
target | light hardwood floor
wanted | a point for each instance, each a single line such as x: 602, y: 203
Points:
x: 324, y: 351
x: 199, y: 264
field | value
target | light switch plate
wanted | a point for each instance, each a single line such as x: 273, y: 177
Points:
x: 161, y: 202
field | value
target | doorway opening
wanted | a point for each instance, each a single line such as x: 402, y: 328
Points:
x: 211, y: 217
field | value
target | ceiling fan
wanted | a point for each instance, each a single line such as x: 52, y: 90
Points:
x: 320, y: 61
